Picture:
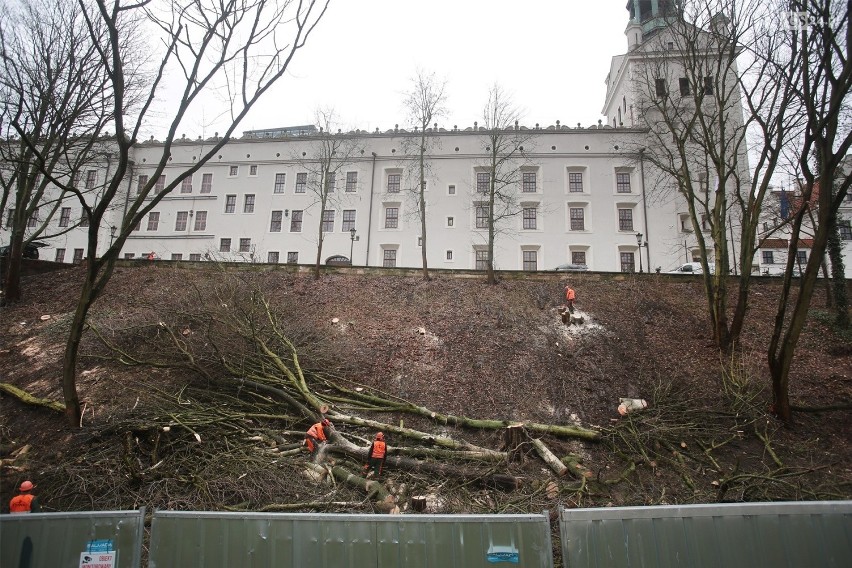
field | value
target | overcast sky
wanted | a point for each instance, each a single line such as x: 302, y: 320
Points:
x: 552, y: 56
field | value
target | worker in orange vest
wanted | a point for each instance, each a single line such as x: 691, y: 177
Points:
x: 376, y: 456
x: 151, y: 256
x: 569, y: 297
x: 316, y: 435
x: 26, y: 502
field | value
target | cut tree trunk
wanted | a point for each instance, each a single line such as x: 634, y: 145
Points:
x: 549, y: 458
x: 514, y: 438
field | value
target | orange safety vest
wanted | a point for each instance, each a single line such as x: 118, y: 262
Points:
x: 569, y: 294
x: 317, y: 432
x: 379, y: 448
x: 21, y: 503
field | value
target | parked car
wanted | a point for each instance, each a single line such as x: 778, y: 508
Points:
x: 30, y: 250
x: 571, y: 268
x: 688, y: 268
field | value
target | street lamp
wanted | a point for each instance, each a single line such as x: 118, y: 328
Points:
x: 352, y: 244
x: 639, y: 243
x: 112, y: 230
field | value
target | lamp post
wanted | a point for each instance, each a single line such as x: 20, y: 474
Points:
x: 112, y: 230
x: 639, y: 243
x: 351, y: 244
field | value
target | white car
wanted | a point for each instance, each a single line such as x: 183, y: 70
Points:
x: 688, y: 268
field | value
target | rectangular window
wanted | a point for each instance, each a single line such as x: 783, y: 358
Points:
x: 625, y: 219
x: 248, y: 203
x: 195, y: 257
x: 233, y: 171
x: 705, y: 222
x: 186, y: 185
x: 78, y: 256
x: 279, y: 183
x: 253, y: 170
x: 660, y: 87
x: 451, y: 221
x: 482, y: 260
x: 296, y: 221
x: 84, y: 218
x: 351, y: 181
x: 206, y: 183
x: 845, y: 230
x: 328, y: 221
x: 481, y: 216
x: 768, y: 257
x: 394, y: 183
x: 330, y: 182
x: 272, y: 257
x: 301, y: 182
x: 708, y: 85
x: 451, y: 190
x: 180, y: 221
x: 389, y: 260
x: 33, y: 220
x: 483, y: 181
x: 245, y: 245
x: 449, y: 255
x: 575, y: 182
x: 91, y: 179
x: 627, y: 262
x: 200, y: 221
x: 622, y: 182
x: 530, y: 260
x: 348, y: 220
x: 275, y: 223
x: 530, y: 217
x: 140, y: 184
x: 801, y: 257
x: 578, y: 218
x: 528, y: 182
x: 224, y: 245
x: 153, y: 220
x: 160, y: 185
x: 60, y: 255
x: 65, y: 217
x: 391, y: 217
x: 230, y: 203
x: 128, y: 255
x: 683, y: 83
x: 177, y: 256
x: 292, y: 257
x: 578, y: 257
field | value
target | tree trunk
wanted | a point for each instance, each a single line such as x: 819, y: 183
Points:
x: 838, y: 279
x: 422, y: 196
x: 12, y: 270
x: 514, y: 437
x: 69, y: 363
x: 549, y: 458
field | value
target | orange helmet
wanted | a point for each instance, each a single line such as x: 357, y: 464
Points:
x: 27, y: 486
x: 380, y: 436
x: 326, y: 422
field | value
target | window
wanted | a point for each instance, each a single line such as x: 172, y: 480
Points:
x: 78, y: 256
x: 272, y: 257
x: 160, y: 185
x: 153, y: 220
x: 140, y: 184
x: 845, y: 228
x: 449, y: 255
x: 195, y: 257
x: 296, y: 221
x: 482, y: 216
x: 578, y: 257
x: 622, y: 182
x: 186, y: 185
x: 391, y: 217
x: 348, y: 219
x: 683, y: 83
x: 625, y: 219
x: 60, y: 255
x: 627, y: 262
x: 483, y: 181
x: 248, y: 203
x: 801, y: 257
x: 200, y: 221
x: 33, y: 220
x: 451, y: 221
x: 351, y: 181
x: 224, y: 245
x: 481, y: 260
x: 245, y: 245
x: 177, y: 256
x: 578, y: 218
x: 253, y: 170
x: 301, y: 182
x: 451, y: 190
x: 279, y: 183
x: 330, y: 182
x: 660, y: 87
x: 528, y: 182
x: 233, y: 171
x: 575, y: 182
x: 530, y: 217
x: 275, y: 223
x: 530, y: 260
x: 230, y: 203
x: 128, y: 255
x: 705, y: 222
x: 292, y: 258
x: 91, y: 179
x: 180, y: 221
x: 206, y: 183
x: 328, y: 221
x: 389, y: 260
x: 393, y: 183
x: 65, y: 217
x: 708, y: 85
x: 84, y: 218
x: 420, y: 241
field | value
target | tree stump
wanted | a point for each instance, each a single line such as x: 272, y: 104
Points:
x: 418, y: 503
x: 514, y: 437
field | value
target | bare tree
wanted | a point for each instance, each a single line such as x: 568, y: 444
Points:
x: 55, y: 103
x: 328, y: 155
x: 823, y: 83
x: 241, y: 48
x: 425, y: 103
x: 498, y: 178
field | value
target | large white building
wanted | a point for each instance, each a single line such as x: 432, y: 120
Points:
x: 581, y: 197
